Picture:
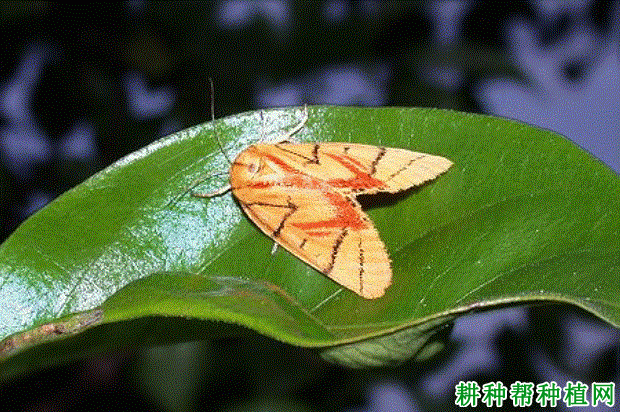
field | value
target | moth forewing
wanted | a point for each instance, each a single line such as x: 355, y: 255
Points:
x: 403, y: 169
x: 361, y: 263
x: 323, y: 228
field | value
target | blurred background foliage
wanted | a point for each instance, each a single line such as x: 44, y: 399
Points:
x: 85, y: 84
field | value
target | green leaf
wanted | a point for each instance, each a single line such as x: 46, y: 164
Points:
x: 523, y: 216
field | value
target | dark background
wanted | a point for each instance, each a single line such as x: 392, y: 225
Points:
x: 83, y: 85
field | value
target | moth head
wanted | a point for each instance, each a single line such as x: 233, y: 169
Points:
x: 252, y: 164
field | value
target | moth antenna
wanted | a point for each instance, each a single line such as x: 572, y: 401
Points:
x: 217, y: 139
x: 215, y: 193
x: 290, y: 133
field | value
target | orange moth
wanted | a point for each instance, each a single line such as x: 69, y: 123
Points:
x: 303, y: 196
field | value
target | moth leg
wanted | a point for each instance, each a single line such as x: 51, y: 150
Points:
x: 288, y: 136
x: 215, y: 193
x: 274, y: 248
x: 191, y: 187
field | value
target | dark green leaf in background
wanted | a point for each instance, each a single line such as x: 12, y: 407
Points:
x: 522, y: 216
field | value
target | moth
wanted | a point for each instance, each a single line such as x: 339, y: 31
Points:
x: 303, y: 196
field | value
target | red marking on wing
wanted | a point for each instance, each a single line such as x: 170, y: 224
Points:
x: 280, y: 163
x: 260, y: 185
x: 346, y: 215
x: 297, y: 180
x: 361, y: 180
x: 318, y: 233
x: 349, y: 158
